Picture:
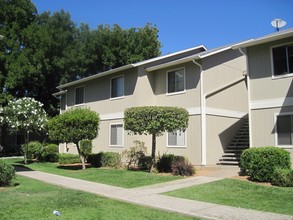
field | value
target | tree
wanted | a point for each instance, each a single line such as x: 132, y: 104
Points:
x: 25, y: 116
x: 73, y: 126
x: 154, y: 120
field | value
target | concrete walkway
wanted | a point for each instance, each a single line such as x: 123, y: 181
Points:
x: 149, y: 196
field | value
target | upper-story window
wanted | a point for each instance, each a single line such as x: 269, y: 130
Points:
x: 79, y: 95
x: 117, y: 87
x: 176, y: 80
x: 282, y: 60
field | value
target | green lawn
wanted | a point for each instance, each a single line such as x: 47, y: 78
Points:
x: 242, y: 194
x: 31, y: 199
x: 116, y: 177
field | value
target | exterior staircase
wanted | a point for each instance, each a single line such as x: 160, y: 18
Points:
x: 240, y: 142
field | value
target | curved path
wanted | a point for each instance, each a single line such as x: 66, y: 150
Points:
x: 150, y: 195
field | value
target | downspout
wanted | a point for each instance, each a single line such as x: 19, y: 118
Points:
x: 203, y: 116
x: 249, y: 97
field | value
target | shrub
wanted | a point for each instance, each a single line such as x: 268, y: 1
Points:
x: 86, y: 147
x: 7, y: 173
x: 50, y: 153
x: 69, y: 158
x: 144, y: 162
x: 282, y: 177
x: 95, y: 160
x: 182, y: 167
x: 134, y: 153
x: 34, y: 150
x: 260, y: 163
x: 165, y: 163
x: 110, y: 159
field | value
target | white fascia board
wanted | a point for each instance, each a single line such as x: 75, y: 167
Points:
x: 198, y: 56
x: 96, y: 76
x: 266, y: 39
x: 60, y: 93
x: 168, y: 55
x: 172, y: 63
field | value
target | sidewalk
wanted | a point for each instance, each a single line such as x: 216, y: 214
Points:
x: 149, y: 196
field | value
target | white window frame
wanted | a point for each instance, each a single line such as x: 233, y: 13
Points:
x: 118, y: 97
x: 276, y: 130
x: 177, y: 146
x: 184, y: 82
x: 272, y: 61
x: 122, y: 144
x: 79, y: 104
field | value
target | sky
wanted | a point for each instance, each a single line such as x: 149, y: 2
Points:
x: 182, y: 24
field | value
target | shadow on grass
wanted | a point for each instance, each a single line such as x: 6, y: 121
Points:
x: 73, y: 167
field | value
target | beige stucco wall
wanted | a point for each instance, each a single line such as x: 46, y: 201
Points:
x: 189, y: 98
x: 262, y: 85
x: 142, y: 89
x: 221, y: 70
x: 263, y: 127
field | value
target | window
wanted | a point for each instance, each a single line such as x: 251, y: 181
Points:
x: 282, y: 60
x: 79, y: 95
x: 176, y: 138
x: 117, y: 87
x: 176, y: 80
x: 116, y: 135
x: 284, y: 129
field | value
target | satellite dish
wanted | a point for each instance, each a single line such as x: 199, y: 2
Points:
x: 278, y: 23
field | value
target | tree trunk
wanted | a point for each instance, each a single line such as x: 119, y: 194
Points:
x: 81, y: 157
x: 153, y: 152
x: 26, y: 139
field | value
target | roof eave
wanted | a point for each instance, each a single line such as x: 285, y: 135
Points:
x: 95, y: 76
x: 254, y: 42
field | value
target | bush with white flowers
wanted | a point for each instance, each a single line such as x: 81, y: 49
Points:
x: 25, y: 116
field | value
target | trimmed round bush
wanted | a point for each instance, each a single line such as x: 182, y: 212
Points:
x: 50, y: 153
x: 7, y: 173
x: 69, y: 158
x: 260, y: 163
x: 110, y: 159
x: 282, y: 177
x: 34, y: 150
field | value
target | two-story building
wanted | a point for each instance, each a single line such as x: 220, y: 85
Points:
x: 270, y: 90
x: 210, y: 84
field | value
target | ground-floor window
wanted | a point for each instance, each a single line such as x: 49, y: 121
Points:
x: 176, y: 138
x: 284, y: 129
x: 116, y: 135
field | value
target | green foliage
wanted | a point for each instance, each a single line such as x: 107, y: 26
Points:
x: 282, y: 177
x: 105, y: 159
x: 110, y: 159
x: 41, y: 51
x: 34, y: 150
x: 165, y: 163
x: 25, y: 115
x: 182, y: 167
x: 144, y: 162
x: 86, y: 147
x: 95, y: 160
x: 134, y: 153
x: 155, y: 119
x: 260, y: 163
x: 50, y: 153
x: 7, y: 173
x: 68, y: 159
x: 74, y: 125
